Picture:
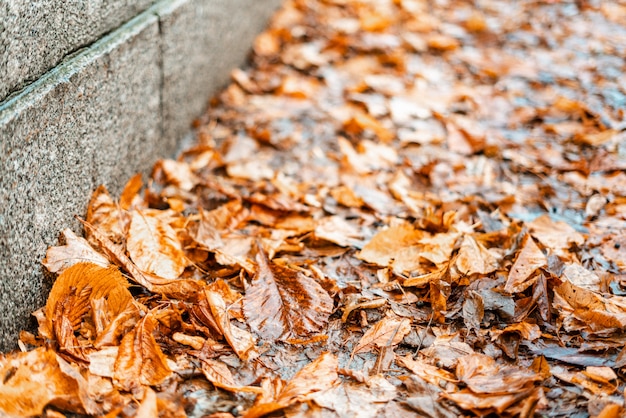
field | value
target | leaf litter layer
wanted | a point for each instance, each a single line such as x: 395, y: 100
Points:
x: 399, y: 208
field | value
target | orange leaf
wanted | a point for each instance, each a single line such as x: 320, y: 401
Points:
x: 37, y: 379
x: 84, y: 288
x: 282, y: 303
x: 241, y: 341
x: 384, y: 247
x: 104, y: 213
x: 217, y: 373
x: 474, y: 258
x: 153, y: 246
x: 314, y: 377
x: 140, y: 361
x: 76, y: 250
x: 387, y: 332
x: 528, y: 261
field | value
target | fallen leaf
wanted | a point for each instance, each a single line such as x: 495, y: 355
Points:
x: 105, y: 214
x: 140, y: 361
x: 316, y: 376
x: 558, y: 236
x: 241, y: 341
x: 153, y: 246
x: 388, y: 243
x: 75, y: 250
x: 474, y: 258
x: 217, y: 373
x: 88, y: 288
x: 282, y: 303
x: 387, y: 332
x: 35, y: 380
x: 527, y: 262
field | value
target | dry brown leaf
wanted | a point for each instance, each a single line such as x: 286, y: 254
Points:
x: 75, y: 250
x: 336, y: 229
x: 105, y: 214
x: 85, y: 288
x: 131, y: 189
x: 356, y: 399
x: 438, y: 248
x: 282, y: 303
x: 241, y: 341
x: 583, y: 309
x: 153, y: 246
x: 217, y: 373
x: 34, y: 380
x: 235, y: 251
x: 579, y: 276
x: 527, y: 262
x: 102, y: 362
x: 385, y: 246
x: 148, y: 407
x: 484, y: 404
x: 387, y: 332
x: 615, y: 250
x: 474, y: 258
x: 483, y: 375
x: 558, y: 236
x: 433, y: 375
x: 175, y: 172
x: 140, y: 361
x: 473, y: 310
x: 316, y: 376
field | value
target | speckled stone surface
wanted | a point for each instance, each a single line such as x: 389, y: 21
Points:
x: 202, y: 41
x: 106, y: 112
x: 95, y: 119
x: 36, y: 35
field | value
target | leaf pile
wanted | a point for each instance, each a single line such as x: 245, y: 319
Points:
x: 400, y: 208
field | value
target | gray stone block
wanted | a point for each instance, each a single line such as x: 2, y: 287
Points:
x: 202, y: 41
x: 94, y: 119
x: 36, y: 35
x: 103, y: 114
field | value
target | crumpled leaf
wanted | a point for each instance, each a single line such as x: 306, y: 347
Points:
x: 392, y: 243
x: 282, y: 303
x: 241, y: 341
x: 431, y: 374
x: 89, y: 288
x: 483, y: 375
x: 387, y: 332
x: 218, y: 373
x: 75, y: 250
x: 179, y: 288
x: 474, y: 258
x: 558, y: 236
x: 527, y: 262
x: 140, y: 360
x: 104, y: 214
x: 316, y: 376
x: 354, y: 399
x: 580, y: 308
x: 175, y: 172
x: 338, y: 230
x: 153, y: 246
x: 34, y: 380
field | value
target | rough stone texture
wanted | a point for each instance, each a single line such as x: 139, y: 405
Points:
x: 106, y: 112
x: 203, y: 40
x: 36, y: 35
x: 93, y: 120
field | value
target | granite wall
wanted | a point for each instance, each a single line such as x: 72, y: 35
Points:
x: 91, y: 93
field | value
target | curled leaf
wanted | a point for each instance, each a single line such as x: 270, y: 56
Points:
x: 75, y: 250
